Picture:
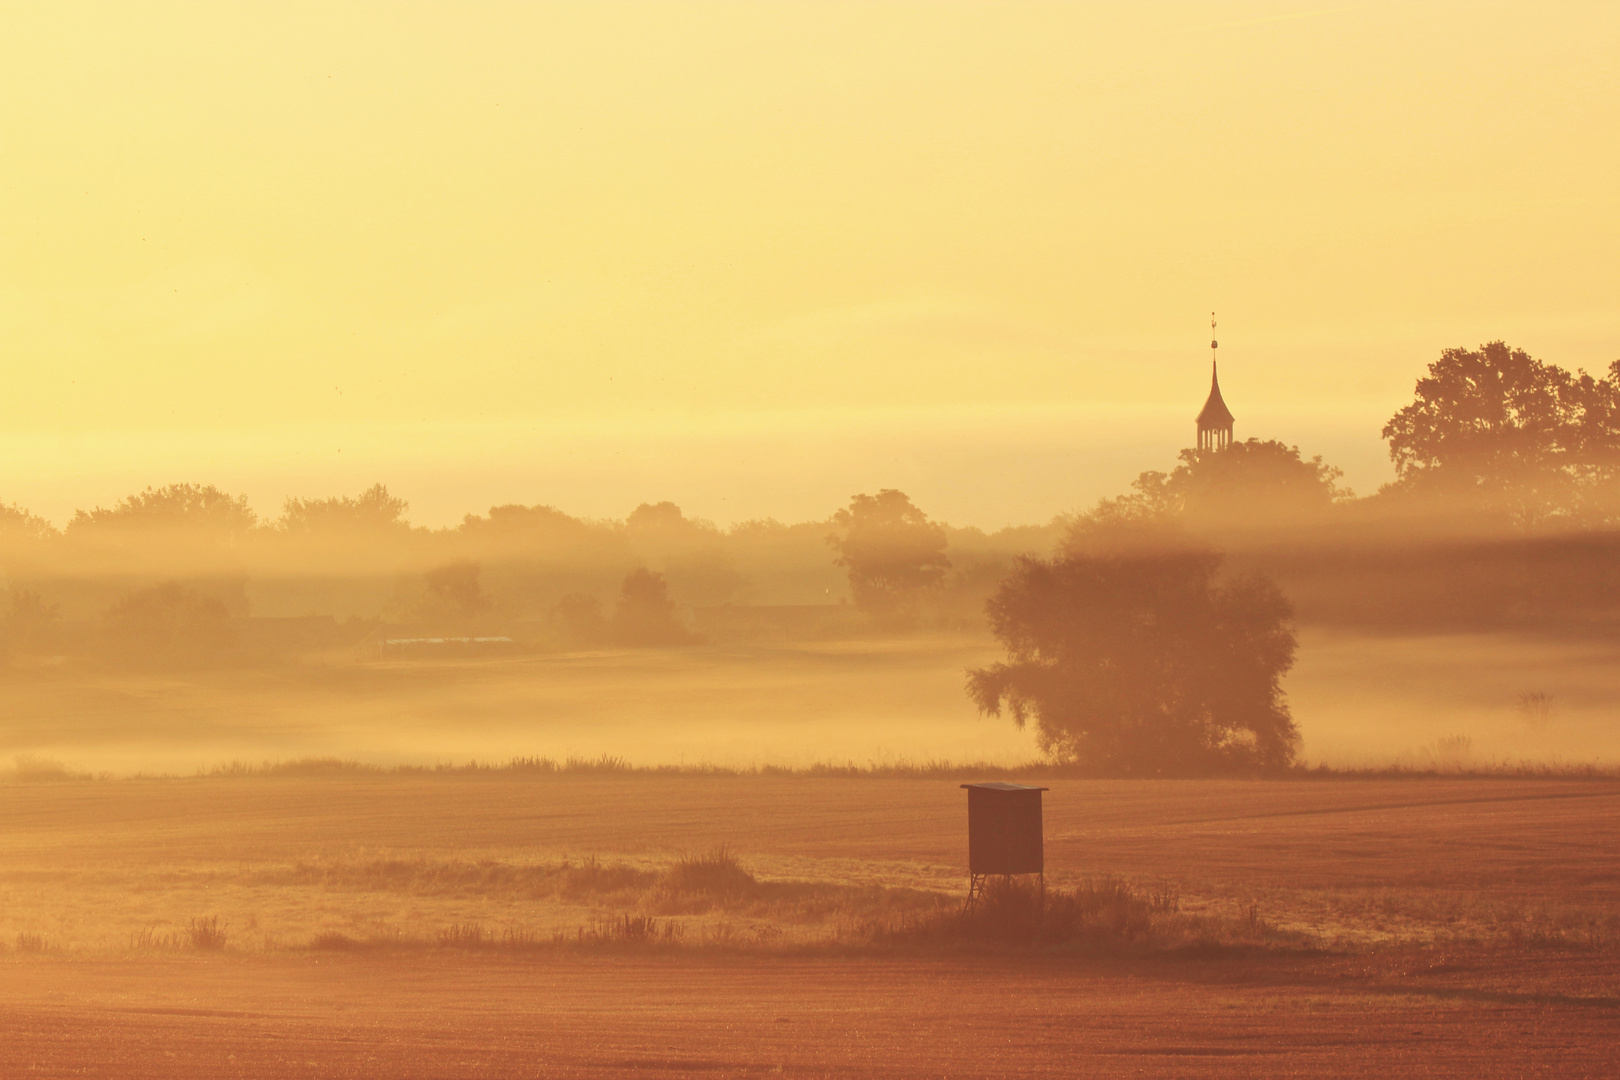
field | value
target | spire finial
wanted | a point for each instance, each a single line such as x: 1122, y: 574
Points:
x: 1215, y: 421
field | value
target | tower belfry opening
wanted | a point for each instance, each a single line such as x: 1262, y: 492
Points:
x: 1215, y: 419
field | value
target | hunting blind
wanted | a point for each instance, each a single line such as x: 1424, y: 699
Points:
x: 1004, y: 834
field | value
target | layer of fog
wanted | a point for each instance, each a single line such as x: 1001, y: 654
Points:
x: 787, y: 466
x: 1451, y: 702
x: 861, y: 702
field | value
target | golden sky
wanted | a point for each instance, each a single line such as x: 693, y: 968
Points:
x: 756, y: 257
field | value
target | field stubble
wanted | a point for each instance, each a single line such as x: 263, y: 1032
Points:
x: 511, y: 924
x: 284, y: 861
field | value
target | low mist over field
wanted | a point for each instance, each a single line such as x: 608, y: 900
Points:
x: 1465, y: 617
x: 823, y: 540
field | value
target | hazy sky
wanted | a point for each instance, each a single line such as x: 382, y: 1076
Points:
x: 757, y: 257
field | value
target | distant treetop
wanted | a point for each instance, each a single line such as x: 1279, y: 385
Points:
x: 200, y: 507
x: 1512, y: 434
x: 1244, y: 485
x: 372, y: 511
x: 893, y: 552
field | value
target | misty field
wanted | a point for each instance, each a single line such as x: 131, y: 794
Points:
x: 462, y: 924
x: 282, y: 860
x: 1452, y: 702
x: 336, y: 916
x: 785, y: 704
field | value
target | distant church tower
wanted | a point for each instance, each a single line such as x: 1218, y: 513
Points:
x: 1215, y: 419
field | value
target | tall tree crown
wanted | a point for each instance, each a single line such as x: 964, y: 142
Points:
x: 1526, y: 436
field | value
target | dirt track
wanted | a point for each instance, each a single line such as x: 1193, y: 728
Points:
x: 574, y: 1016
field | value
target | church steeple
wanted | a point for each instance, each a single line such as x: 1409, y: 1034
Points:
x: 1215, y: 419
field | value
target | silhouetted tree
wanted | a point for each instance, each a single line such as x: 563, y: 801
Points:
x: 663, y: 518
x: 454, y: 594
x: 530, y: 526
x: 18, y: 524
x: 1133, y: 658
x: 1512, y: 434
x: 24, y: 541
x: 198, y: 509
x: 1253, y: 484
x: 372, y: 511
x: 29, y: 623
x: 646, y: 615
x: 1250, y: 481
x: 894, y: 554
x: 691, y: 553
x: 170, y: 623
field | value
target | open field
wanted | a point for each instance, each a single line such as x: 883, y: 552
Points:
x: 576, y: 1017
x: 1461, y: 927
x: 282, y: 859
x: 464, y: 923
x: 786, y: 704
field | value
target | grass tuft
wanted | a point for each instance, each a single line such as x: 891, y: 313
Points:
x: 206, y: 933
x: 1107, y: 914
x: 464, y: 936
x: 631, y: 930
x: 1449, y: 758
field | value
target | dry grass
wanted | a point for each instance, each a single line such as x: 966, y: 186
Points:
x: 1448, y: 756
x: 369, y: 860
x: 1107, y: 915
x: 207, y: 933
x: 706, y: 900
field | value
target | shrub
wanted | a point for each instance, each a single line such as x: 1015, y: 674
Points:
x: 630, y: 930
x: 700, y: 882
x: 463, y: 936
x: 332, y: 941
x: 206, y: 933
x: 1012, y: 912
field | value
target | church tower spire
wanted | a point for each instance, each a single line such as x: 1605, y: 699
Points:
x: 1215, y: 419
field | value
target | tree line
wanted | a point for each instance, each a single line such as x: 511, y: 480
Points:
x: 1155, y: 639
x: 1147, y: 635
x: 174, y: 572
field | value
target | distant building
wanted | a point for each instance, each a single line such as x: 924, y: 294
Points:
x: 448, y: 646
x: 1215, y: 419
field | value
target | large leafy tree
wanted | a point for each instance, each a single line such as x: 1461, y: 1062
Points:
x: 195, y: 530
x: 24, y: 538
x: 646, y: 615
x: 455, y: 599
x: 1139, y: 660
x: 1511, y: 433
x: 894, y: 554
x: 17, y: 524
x: 198, y: 509
x: 170, y: 624
x: 373, y: 511
x: 1251, y: 483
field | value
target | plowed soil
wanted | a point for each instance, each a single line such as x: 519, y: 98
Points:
x: 605, y: 1017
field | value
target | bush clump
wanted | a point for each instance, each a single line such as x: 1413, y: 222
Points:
x: 206, y: 933
x: 702, y: 882
x: 1009, y: 912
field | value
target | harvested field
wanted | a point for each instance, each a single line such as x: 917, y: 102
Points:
x: 1460, y: 927
x: 579, y: 1017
